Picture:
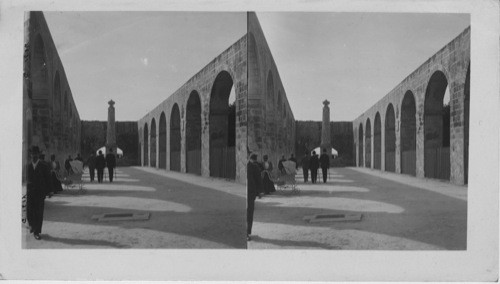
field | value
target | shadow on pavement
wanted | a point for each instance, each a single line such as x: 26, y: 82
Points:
x: 426, y: 216
x: 214, y: 215
x: 289, y: 243
x: 49, y: 238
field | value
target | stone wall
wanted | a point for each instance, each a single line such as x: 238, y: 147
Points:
x: 308, y: 137
x: 215, y: 77
x: 271, y: 124
x: 94, y: 137
x: 411, y: 101
x: 51, y: 119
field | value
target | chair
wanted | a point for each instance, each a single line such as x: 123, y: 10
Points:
x: 72, y: 178
x: 287, y: 179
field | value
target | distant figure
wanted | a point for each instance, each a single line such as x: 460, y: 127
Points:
x: 38, y: 185
x: 67, y: 165
x: 254, y: 185
x: 54, y: 169
x: 100, y: 164
x: 91, y: 165
x: 110, y: 163
x: 305, y: 165
x: 314, y: 165
x: 267, y: 169
x: 280, y: 164
x: 324, y: 161
x: 79, y: 158
x: 292, y: 158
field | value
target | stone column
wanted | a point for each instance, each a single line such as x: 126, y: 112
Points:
x: 325, y: 129
x: 111, y: 131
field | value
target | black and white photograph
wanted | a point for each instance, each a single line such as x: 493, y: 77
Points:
x: 206, y: 138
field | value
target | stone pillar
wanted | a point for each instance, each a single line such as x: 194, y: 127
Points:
x: 111, y: 131
x: 325, y: 129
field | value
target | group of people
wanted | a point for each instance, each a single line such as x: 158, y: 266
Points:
x: 260, y: 182
x: 313, y: 163
x: 42, y: 181
x: 99, y: 163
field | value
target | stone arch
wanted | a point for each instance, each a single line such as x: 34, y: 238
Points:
x: 466, y: 125
x: 162, y: 140
x: 222, y: 131
x: 377, y: 142
x: 152, y: 144
x: 360, y: 145
x: 368, y: 144
x: 193, y: 134
x: 175, y: 139
x: 270, y: 111
x: 408, y: 134
x: 390, y: 139
x: 56, y: 113
x: 146, y: 145
x: 40, y: 91
x: 436, y: 128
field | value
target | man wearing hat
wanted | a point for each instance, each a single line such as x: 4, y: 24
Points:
x: 38, y: 186
x: 254, y: 187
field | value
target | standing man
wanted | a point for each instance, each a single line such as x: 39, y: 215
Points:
x: 100, y: 164
x: 292, y: 158
x: 67, y: 165
x: 38, y: 186
x: 254, y: 187
x: 314, y: 165
x: 305, y: 165
x: 110, y: 163
x: 324, y: 161
x: 91, y: 165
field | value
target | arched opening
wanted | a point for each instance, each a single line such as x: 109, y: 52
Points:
x: 270, y: 113
x: 162, y: 140
x: 40, y: 92
x: 390, y: 139
x: 152, y: 144
x: 175, y: 139
x: 437, y: 128
x: 408, y: 135
x: 145, y: 146
x: 360, y: 145
x: 222, y: 128
x: 56, y: 113
x: 377, y: 142
x: 368, y: 144
x: 466, y: 125
x: 193, y: 134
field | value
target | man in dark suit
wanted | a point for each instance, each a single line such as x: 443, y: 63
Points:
x: 100, y: 164
x: 324, y: 161
x: 314, y: 165
x: 254, y: 187
x: 110, y: 163
x: 38, y: 186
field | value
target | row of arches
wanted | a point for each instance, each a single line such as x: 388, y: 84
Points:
x: 58, y: 125
x: 221, y: 136
x: 436, y: 118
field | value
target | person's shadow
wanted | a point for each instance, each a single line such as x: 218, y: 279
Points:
x: 290, y: 243
x: 50, y: 238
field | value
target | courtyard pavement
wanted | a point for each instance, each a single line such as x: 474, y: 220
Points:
x: 399, y: 213
x: 187, y: 211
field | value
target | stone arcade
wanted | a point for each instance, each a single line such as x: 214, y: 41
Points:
x: 194, y: 130
x: 406, y: 132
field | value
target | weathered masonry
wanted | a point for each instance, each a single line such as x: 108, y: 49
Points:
x: 271, y: 124
x: 50, y: 117
x: 199, y: 130
x: 411, y: 130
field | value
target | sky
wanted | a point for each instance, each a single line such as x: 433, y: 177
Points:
x: 138, y: 59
